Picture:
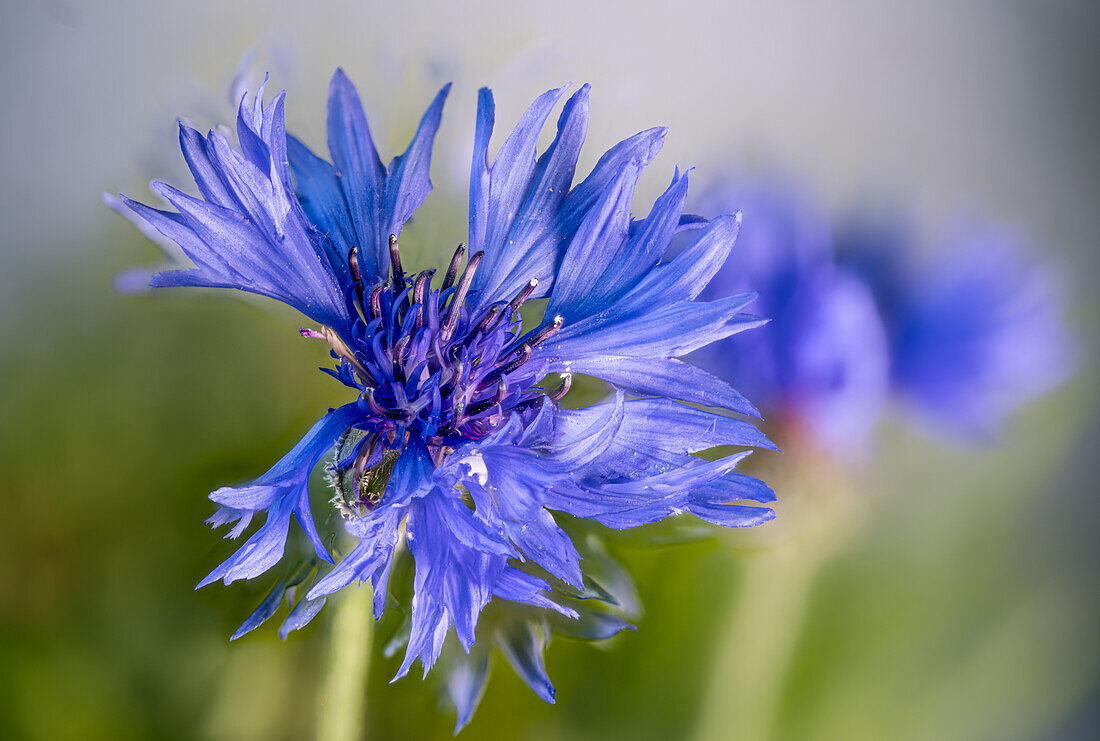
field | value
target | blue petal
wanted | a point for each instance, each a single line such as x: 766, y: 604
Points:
x: 651, y: 425
x: 533, y: 241
x: 379, y: 532
x: 249, y: 233
x: 670, y: 331
x: 526, y: 236
x: 523, y: 644
x: 408, y: 183
x: 466, y: 685
x: 360, y: 171
x: 628, y: 319
x: 664, y: 377
x: 595, y: 272
x: 457, y: 562
x: 301, y: 615
x: 593, y: 247
x: 266, y: 609
x: 282, y: 491
x: 319, y: 192
x: 497, y: 191
x: 358, y: 200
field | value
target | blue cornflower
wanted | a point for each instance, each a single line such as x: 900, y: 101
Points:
x: 454, y: 442
x: 976, y: 325
x: 820, y: 368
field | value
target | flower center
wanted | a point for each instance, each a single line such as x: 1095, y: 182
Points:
x: 425, y: 365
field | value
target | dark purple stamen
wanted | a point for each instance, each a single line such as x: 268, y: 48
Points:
x: 375, y: 306
x: 545, y: 332
x: 483, y: 406
x: 562, y: 389
x: 395, y: 263
x: 486, y: 320
x: 452, y: 269
x: 456, y: 376
x: 420, y: 288
x: 378, y: 409
x: 459, y: 296
x: 353, y: 266
x: 526, y: 291
x: 428, y: 365
x: 524, y: 351
x: 396, y: 356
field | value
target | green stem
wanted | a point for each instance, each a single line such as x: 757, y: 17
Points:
x: 343, y: 695
x: 760, y: 638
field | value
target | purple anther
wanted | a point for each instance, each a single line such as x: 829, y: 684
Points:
x: 396, y: 354
x: 341, y: 349
x: 451, y: 383
x: 545, y: 332
x: 526, y: 291
x: 459, y: 297
x: 483, y: 325
x: 562, y: 389
x: 524, y: 350
x: 353, y: 266
x: 395, y: 263
x: 376, y: 302
x: 378, y: 409
x: 483, y: 406
x: 452, y: 269
x: 420, y: 288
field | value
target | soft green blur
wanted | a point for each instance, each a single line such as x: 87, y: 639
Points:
x: 931, y: 600
x: 945, y: 591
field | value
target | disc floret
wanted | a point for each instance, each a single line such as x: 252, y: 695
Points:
x: 425, y: 365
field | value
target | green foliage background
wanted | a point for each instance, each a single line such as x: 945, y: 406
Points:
x: 952, y: 603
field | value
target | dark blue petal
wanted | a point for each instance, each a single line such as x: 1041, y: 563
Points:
x: 593, y: 247
x: 533, y: 241
x: 282, y: 492
x: 266, y: 609
x: 497, y: 191
x: 301, y: 615
x: 358, y: 167
x: 731, y: 515
x: 529, y: 241
x: 249, y: 233
x: 603, y: 265
x: 671, y: 331
x: 664, y: 377
x: 408, y: 182
x: 523, y: 644
x: 322, y: 199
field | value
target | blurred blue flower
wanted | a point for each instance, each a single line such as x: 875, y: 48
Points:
x: 976, y: 325
x: 453, y: 443
x: 819, y: 368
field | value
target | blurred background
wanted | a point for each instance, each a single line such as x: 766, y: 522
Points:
x: 945, y: 588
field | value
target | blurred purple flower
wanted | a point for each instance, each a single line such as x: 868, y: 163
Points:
x: 976, y: 325
x: 820, y: 366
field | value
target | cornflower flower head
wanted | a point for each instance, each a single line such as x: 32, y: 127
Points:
x: 819, y: 369
x: 976, y: 324
x: 453, y: 445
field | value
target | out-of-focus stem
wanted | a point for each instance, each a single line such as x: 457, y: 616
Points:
x: 758, y: 640
x: 342, y: 708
